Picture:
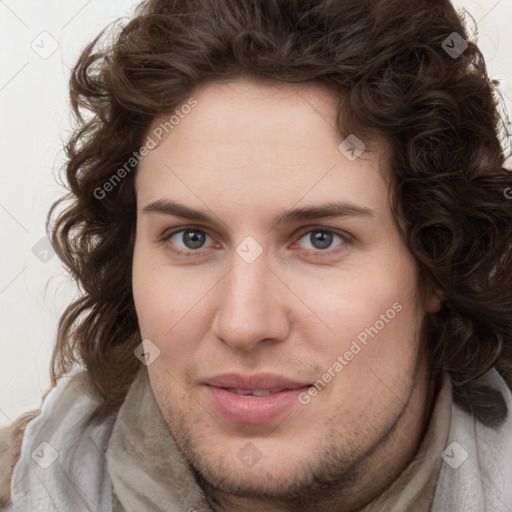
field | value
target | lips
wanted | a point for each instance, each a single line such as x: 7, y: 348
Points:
x: 252, y: 399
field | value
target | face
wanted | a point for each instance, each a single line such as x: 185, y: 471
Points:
x: 267, y: 260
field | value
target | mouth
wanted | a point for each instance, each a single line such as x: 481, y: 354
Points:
x: 252, y: 400
x: 255, y: 392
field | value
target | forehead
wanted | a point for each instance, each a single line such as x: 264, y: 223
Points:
x: 270, y: 140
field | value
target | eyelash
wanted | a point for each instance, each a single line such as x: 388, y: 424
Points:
x: 307, y: 252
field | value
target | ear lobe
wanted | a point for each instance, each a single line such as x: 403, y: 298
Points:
x: 434, y: 301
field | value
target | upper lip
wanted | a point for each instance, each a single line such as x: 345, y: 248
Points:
x: 257, y: 381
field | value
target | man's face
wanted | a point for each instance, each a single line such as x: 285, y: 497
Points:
x: 245, y: 302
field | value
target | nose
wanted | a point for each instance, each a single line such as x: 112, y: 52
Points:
x: 252, y: 305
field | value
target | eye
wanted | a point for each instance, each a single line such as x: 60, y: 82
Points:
x: 322, y: 240
x: 187, y: 239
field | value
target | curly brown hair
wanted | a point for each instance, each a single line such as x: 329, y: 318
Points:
x: 388, y: 63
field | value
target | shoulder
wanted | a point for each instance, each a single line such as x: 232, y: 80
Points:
x: 11, y: 438
x: 76, y: 424
x: 480, y: 455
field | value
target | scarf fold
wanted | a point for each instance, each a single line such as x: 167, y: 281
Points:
x: 414, y: 489
x: 476, y: 473
x: 62, y: 463
x: 147, y: 468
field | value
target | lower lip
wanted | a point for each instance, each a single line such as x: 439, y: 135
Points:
x: 253, y: 410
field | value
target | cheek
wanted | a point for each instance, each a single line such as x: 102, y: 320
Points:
x: 152, y: 294
x: 376, y: 305
x: 147, y: 294
x: 372, y: 354
x: 172, y: 307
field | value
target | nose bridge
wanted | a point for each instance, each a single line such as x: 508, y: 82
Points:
x: 246, y: 281
x: 249, y: 310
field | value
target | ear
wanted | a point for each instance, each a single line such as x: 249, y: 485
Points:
x: 434, y: 301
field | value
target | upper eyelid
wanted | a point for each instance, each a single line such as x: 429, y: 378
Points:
x: 339, y: 232
x: 173, y: 231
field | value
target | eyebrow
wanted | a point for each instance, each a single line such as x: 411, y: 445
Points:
x: 328, y: 210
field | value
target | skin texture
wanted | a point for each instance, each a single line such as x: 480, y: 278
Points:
x: 247, y: 152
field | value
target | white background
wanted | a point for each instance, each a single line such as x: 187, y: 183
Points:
x: 35, y: 122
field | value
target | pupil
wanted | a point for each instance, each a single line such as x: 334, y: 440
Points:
x: 320, y: 239
x: 193, y: 239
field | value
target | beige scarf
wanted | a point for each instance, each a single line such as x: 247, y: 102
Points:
x: 149, y: 472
